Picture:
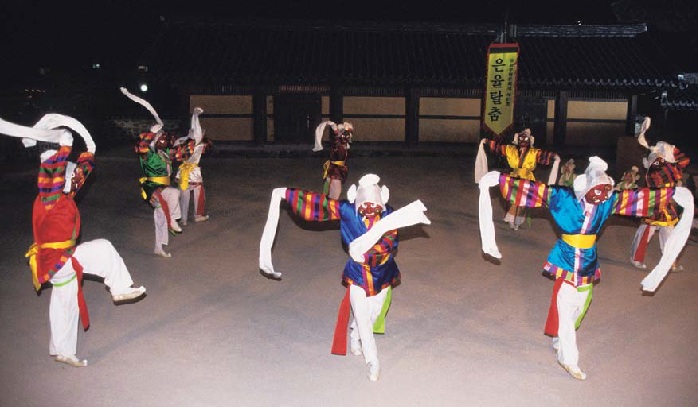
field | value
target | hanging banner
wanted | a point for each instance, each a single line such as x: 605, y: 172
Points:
x: 500, y: 87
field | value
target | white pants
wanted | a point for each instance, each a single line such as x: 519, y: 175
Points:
x: 570, y: 304
x: 365, y: 311
x: 199, y: 199
x: 516, y: 215
x: 171, y: 197
x: 639, y: 242
x: 335, y: 188
x: 99, y: 258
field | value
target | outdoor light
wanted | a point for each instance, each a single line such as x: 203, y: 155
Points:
x: 96, y: 66
x: 144, y: 87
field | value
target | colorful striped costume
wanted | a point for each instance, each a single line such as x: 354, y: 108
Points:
x: 191, y: 182
x: 522, y: 166
x: 574, y: 256
x: 522, y: 162
x: 573, y: 260
x: 156, y: 165
x: 55, y: 257
x: 666, y: 175
x: 55, y: 215
x: 379, y: 269
x: 156, y: 168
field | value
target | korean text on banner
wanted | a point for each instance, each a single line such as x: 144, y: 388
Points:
x: 500, y: 90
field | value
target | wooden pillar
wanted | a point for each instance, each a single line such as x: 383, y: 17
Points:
x: 412, y: 116
x: 630, y: 118
x: 337, y: 103
x: 560, y: 123
x: 259, y: 115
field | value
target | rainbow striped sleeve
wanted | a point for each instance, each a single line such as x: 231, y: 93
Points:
x: 51, y: 176
x: 545, y: 157
x: 312, y: 206
x: 497, y: 146
x: 84, y: 167
x: 382, y: 250
x: 682, y: 160
x: 522, y: 192
x: 642, y: 202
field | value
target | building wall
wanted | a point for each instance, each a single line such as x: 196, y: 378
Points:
x: 226, y: 117
x: 382, y: 119
x: 376, y: 118
x: 449, y: 119
x: 591, y: 123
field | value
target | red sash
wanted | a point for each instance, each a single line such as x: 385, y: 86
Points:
x: 339, y: 342
x: 82, y: 304
x: 553, y: 321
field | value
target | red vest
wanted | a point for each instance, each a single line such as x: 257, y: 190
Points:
x: 59, y: 223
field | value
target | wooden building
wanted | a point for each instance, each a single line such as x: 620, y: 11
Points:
x: 274, y: 81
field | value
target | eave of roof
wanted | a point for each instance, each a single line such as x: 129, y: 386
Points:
x: 269, y: 52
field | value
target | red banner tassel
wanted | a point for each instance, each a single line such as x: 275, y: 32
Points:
x: 552, y: 323
x: 82, y: 305
x: 339, y: 343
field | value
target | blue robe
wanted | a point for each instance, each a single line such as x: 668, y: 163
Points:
x: 371, y: 278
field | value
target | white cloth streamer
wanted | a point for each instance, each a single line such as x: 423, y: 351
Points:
x: 675, y: 242
x: 409, y: 215
x: 487, y: 235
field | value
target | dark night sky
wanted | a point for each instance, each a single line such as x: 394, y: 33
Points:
x: 115, y: 32
x: 86, y: 29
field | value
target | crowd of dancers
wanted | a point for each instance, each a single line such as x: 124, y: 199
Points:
x: 580, y: 205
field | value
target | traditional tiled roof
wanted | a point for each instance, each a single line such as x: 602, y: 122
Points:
x: 685, y: 97
x: 245, y: 53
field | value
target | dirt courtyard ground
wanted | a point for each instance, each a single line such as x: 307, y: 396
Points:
x: 212, y: 331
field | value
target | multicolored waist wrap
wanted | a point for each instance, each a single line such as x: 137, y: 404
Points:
x: 326, y: 167
x: 162, y: 180
x: 34, y: 250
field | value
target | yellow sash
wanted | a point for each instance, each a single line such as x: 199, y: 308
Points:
x: 527, y: 166
x: 523, y: 173
x: 163, y: 180
x: 32, y: 252
x: 326, y: 167
x: 184, y: 170
x: 579, y: 241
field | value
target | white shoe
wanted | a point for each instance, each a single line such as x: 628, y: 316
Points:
x: 556, y: 344
x: 71, y: 360
x: 574, y: 371
x: 373, y: 371
x: 638, y: 264
x: 132, y: 294
x: 200, y: 218
x: 676, y: 268
x: 162, y: 253
x: 174, y: 227
x: 513, y: 226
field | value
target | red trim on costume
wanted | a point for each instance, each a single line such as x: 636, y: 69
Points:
x: 201, y: 202
x: 82, y: 304
x: 339, y: 342
x: 553, y: 322
x: 642, y: 245
x: 164, y: 206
